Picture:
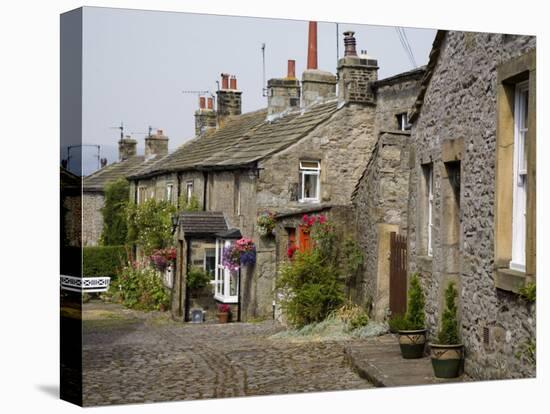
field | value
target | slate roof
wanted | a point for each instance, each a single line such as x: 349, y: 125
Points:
x: 98, y: 180
x: 244, y: 139
x: 202, y: 223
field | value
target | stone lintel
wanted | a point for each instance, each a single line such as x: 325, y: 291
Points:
x: 452, y: 149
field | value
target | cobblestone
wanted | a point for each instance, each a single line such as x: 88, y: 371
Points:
x: 129, y: 358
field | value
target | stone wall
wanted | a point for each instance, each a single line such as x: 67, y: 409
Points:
x: 381, y: 208
x: 460, y: 104
x: 92, y: 219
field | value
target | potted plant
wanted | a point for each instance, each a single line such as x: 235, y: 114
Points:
x: 411, y: 328
x: 266, y: 224
x: 448, y: 353
x: 223, y: 312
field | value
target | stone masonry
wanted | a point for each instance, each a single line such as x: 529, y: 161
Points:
x: 460, y: 104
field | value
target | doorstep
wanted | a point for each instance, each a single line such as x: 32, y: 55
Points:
x: 379, y: 361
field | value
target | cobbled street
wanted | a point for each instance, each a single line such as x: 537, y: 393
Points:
x: 133, y: 357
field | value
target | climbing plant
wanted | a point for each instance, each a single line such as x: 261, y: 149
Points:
x: 115, y: 226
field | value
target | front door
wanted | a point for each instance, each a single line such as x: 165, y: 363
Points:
x: 226, y: 280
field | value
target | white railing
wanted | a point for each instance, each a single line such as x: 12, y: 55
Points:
x: 85, y: 284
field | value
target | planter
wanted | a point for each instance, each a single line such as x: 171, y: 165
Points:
x: 447, y: 360
x: 223, y: 317
x: 265, y: 232
x: 412, y: 343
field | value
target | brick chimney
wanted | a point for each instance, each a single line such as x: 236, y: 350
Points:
x: 317, y: 85
x: 156, y: 145
x: 283, y: 93
x: 205, y: 116
x: 356, y: 74
x: 127, y: 147
x: 229, y: 98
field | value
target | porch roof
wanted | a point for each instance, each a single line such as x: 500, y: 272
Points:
x: 202, y: 223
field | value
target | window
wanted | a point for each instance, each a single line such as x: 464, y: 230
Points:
x: 427, y: 170
x: 226, y: 280
x: 403, y: 122
x: 519, y: 177
x: 141, y: 194
x: 210, y: 261
x: 169, y: 192
x: 515, y: 178
x: 309, y: 181
x: 188, y: 191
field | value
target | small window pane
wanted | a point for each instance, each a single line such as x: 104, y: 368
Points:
x: 310, y: 186
x: 310, y: 165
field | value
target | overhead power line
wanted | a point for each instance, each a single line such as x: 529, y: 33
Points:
x: 406, y: 45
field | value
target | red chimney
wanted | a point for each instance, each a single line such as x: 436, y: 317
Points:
x: 291, y: 72
x: 233, y: 82
x: 225, y: 81
x: 210, y: 103
x: 349, y: 42
x: 312, y: 46
x: 202, y: 101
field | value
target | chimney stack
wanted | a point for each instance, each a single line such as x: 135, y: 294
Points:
x: 283, y: 93
x: 156, y: 145
x: 229, y: 98
x: 317, y: 85
x: 127, y: 148
x: 356, y: 74
x: 291, y: 69
x: 205, y: 117
x: 312, y: 46
x: 349, y: 43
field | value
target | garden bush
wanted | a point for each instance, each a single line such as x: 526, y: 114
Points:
x: 115, y: 226
x: 141, y: 288
x: 448, y: 334
x: 197, y: 278
x: 310, y: 288
x: 415, y: 304
x: 103, y: 260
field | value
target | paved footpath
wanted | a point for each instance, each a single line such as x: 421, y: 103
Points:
x: 132, y: 357
x: 379, y: 361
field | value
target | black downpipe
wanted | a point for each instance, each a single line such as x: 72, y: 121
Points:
x: 239, y: 297
x: 178, y: 191
x: 184, y: 285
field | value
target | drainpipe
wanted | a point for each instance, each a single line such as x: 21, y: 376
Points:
x: 184, y: 285
x: 178, y: 191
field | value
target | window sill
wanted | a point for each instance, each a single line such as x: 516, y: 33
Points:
x: 509, y: 280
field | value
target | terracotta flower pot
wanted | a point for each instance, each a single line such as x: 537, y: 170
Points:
x: 223, y: 317
x: 447, y: 360
x: 412, y: 343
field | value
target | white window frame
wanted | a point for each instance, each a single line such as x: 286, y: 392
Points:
x: 310, y: 171
x: 169, y: 191
x: 403, y: 119
x: 430, y: 196
x: 215, y: 261
x: 222, y: 288
x: 189, y: 190
x: 519, y: 179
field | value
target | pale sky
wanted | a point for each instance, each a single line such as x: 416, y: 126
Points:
x: 137, y: 63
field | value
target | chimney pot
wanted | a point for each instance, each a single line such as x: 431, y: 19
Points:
x: 210, y: 103
x: 202, y: 100
x: 225, y: 81
x: 312, y: 46
x: 291, y: 72
x: 159, y: 132
x: 349, y: 43
x: 233, y: 82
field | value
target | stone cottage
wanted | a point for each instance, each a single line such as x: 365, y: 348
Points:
x: 303, y: 154
x: 93, y: 185
x: 468, y: 213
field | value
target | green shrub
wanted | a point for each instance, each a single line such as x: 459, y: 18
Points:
x: 448, y: 334
x: 141, y: 288
x: 115, y: 226
x: 398, y: 322
x: 189, y: 205
x: 150, y: 225
x: 529, y: 292
x: 353, y: 316
x: 310, y: 288
x: 415, y: 304
x: 103, y: 260
x: 197, y: 278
